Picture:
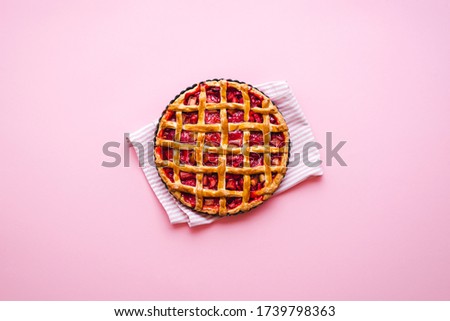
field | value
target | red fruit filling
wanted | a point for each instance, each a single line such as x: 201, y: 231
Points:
x: 187, y: 178
x: 234, y: 96
x: 187, y: 137
x: 212, y: 117
x: 254, y: 197
x: 167, y: 153
x: 257, y: 182
x: 210, y: 202
x: 168, y: 134
x: 235, y: 116
x: 213, y: 94
x: 190, y: 118
x: 191, y: 98
x: 234, y: 182
x: 255, y: 117
x: 277, y: 139
x: 255, y: 100
x: 171, y: 115
x: 235, y: 138
x: 210, y: 181
x: 212, y: 139
x: 233, y: 202
x: 235, y: 160
x: 256, y: 159
x: 256, y: 138
x: 273, y: 120
x: 189, y: 198
x: 275, y: 159
x: 169, y: 173
x: 187, y: 157
x: 210, y: 159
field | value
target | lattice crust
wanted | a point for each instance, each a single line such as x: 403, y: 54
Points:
x: 222, y: 147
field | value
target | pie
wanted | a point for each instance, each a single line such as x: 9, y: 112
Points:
x: 221, y: 147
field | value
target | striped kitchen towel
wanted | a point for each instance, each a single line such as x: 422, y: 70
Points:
x: 300, y: 134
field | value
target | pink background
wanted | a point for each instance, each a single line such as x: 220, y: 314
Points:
x: 77, y: 74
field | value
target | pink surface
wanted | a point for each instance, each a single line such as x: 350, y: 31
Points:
x: 74, y: 75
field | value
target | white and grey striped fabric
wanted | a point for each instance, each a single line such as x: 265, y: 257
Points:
x: 300, y: 134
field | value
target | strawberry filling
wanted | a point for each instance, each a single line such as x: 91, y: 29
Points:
x: 166, y: 153
x: 187, y: 137
x: 273, y: 120
x: 256, y: 159
x: 191, y: 98
x: 233, y: 202
x: 235, y: 116
x: 257, y: 182
x: 275, y: 159
x: 210, y: 159
x: 234, y: 96
x: 277, y: 140
x: 190, y: 118
x: 187, y: 178
x: 235, y: 138
x: 235, y: 160
x: 255, y: 100
x: 234, y: 182
x: 169, y: 173
x: 171, y: 116
x: 187, y: 157
x: 212, y: 117
x: 255, y: 117
x: 210, y: 202
x: 189, y: 198
x: 256, y: 138
x: 210, y: 181
x: 168, y: 134
x: 255, y: 197
x: 212, y: 139
x: 213, y: 94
